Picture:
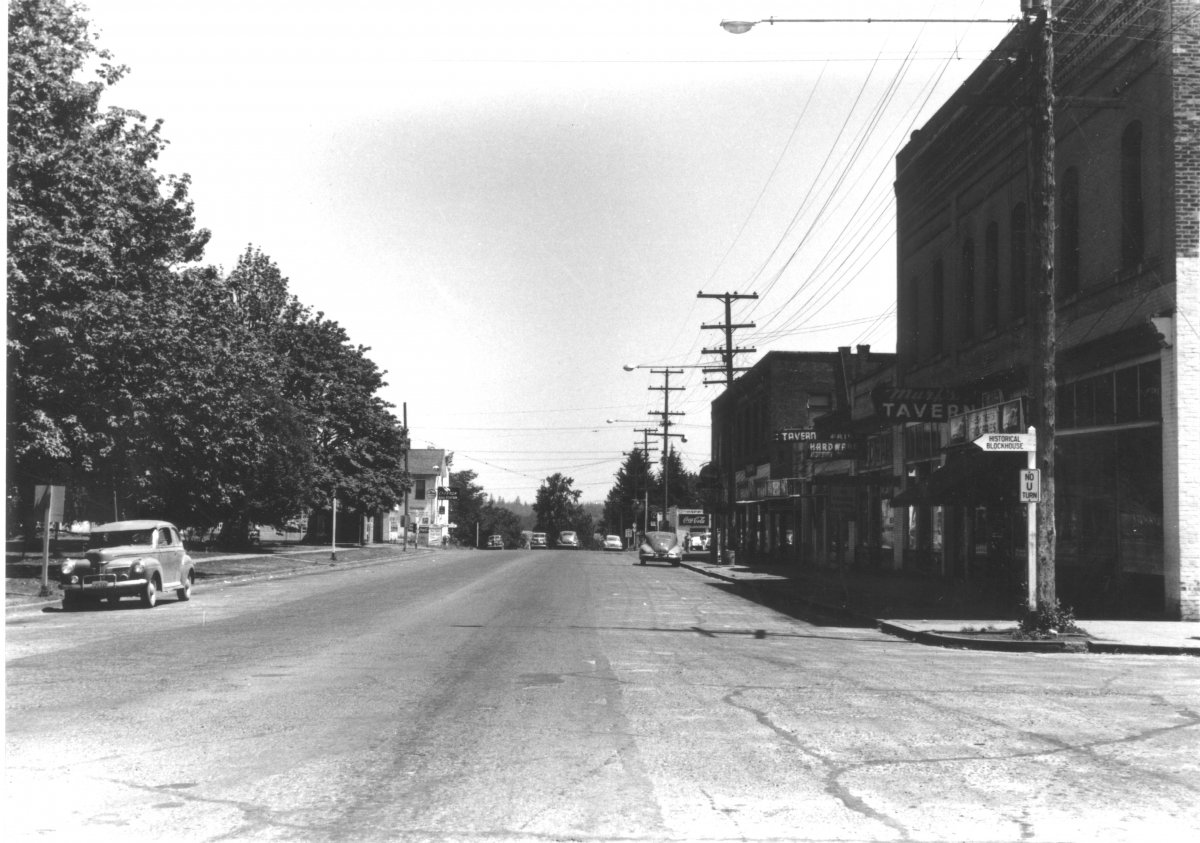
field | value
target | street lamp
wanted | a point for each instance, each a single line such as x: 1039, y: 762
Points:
x: 1043, y: 383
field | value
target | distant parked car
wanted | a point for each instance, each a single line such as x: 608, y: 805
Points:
x: 660, y: 545
x: 568, y: 538
x: 537, y: 540
x: 125, y: 559
x: 495, y: 540
x: 613, y: 543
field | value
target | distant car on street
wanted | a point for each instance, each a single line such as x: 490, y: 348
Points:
x: 537, y: 540
x: 126, y: 559
x: 613, y: 543
x: 568, y: 538
x: 660, y: 546
x: 495, y: 540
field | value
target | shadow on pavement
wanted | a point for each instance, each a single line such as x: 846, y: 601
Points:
x: 782, y: 596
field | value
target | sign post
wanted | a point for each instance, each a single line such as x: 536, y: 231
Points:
x: 1031, y: 530
x: 50, y: 501
x: 1030, y: 486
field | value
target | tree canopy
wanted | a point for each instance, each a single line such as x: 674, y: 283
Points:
x: 625, y: 503
x: 146, y: 382
x: 556, y: 508
x: 468, y: 509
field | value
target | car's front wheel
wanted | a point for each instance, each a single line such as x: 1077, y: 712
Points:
x: 185, y: 593
x: 150, y: 593
x: 72, y: 601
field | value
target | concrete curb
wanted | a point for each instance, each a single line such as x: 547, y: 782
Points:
x: 937, y: 638
x: 942, y: 638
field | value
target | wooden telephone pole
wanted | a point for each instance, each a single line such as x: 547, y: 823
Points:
x: 666, y: 414
x: 729, y: 491
x: 1043, y: 384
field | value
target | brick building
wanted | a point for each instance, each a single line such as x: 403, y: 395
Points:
x: 1127, y: 172
x: 766, y: 464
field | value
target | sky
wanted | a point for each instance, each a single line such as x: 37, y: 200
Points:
x: 511, y: 202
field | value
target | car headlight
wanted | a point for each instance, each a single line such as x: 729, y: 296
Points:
x: 136, y: 570
x: 67, y: 567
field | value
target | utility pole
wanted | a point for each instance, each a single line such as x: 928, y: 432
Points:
x: 728, y: 327
x: 727, y: 369
x: 1043, y: 385
x: 666, y: 414
x: 646, y: 431
x: 407, y: 448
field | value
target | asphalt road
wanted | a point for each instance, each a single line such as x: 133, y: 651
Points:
x: 546, y: 695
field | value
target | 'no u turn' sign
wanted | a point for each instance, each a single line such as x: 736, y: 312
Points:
x: 1031, y: 485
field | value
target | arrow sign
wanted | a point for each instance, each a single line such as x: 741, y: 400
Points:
x: 1007, y: 442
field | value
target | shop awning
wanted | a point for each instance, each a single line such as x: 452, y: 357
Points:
x: 970, y: 477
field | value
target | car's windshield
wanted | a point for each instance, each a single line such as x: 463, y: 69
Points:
x: 119, y: 538
x: 660, y: 538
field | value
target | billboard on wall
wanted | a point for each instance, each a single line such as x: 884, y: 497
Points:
x: 1005, y: 417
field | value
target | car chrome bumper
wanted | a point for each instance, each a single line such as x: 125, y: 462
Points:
x: 105, y: 584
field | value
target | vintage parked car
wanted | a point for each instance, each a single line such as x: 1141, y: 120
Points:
x: 613, y: 543
x: 495, y: 541
x: 660, y: 545
x: 126, y: 559
x: 537, y: 540
x: 568, y: 538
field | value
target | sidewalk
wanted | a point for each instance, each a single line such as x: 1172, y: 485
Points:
x: 978, y: 627
x: 224, y: 569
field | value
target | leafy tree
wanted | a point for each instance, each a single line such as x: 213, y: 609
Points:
x: 358, y: 444
x: 683, y: 489
x: 624, y: 504
x: 134, y: 376
x: 93, y: 235
x: 556, y: 506
x: 468, y: 509
x: 495, y: 518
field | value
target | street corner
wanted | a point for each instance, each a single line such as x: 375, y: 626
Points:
x: 997, y: 636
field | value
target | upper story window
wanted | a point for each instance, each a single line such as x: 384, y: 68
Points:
x: 419, y: 488
x: 991, y: 278
x: 1018, y: 260
x: 937, y: 322
x: 819, y: 403
x: 913, y: 315
x: 1068, y: 234
x: 966, y: 291
x: 1133, y: 231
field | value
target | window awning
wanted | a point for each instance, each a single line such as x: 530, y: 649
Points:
x: 969, y: 478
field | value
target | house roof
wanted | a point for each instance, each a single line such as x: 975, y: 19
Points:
x: 426, y: 460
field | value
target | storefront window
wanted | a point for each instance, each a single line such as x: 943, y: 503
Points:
x: 1127, y: 395
x: 1110, y: 519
